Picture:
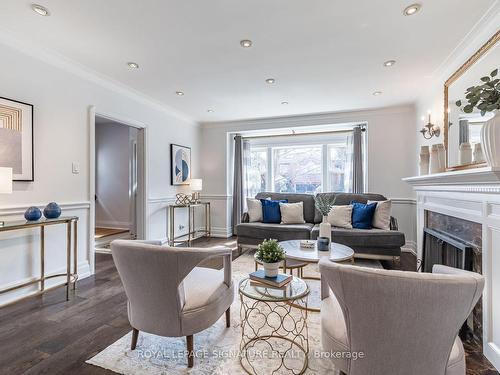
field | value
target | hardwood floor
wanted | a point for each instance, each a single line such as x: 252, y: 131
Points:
x: 48, y: 335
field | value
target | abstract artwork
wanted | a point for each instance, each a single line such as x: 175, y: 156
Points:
x: 16, y: 138
x: 180, y: 158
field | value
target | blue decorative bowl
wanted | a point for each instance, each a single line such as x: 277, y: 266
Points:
x: 32, y: 214
x: 52, y: 211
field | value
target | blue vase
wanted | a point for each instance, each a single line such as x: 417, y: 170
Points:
x: 52, y: 211
x: 32, y: 214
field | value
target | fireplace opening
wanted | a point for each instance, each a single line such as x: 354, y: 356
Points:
x: 455, y: 242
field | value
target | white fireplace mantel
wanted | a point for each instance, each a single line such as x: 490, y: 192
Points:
x: 473, y: 195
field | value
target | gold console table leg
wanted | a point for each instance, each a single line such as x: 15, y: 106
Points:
x: 75, y: 254
x: 68, y: 259
x: 42, y: 258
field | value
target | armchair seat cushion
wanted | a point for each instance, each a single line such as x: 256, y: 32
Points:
x: 203, y: 286
x: 280, y: 232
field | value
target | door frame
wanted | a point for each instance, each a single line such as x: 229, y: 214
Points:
x: 142, y: 212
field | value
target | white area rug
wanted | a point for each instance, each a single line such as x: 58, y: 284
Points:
x: 217, y: 348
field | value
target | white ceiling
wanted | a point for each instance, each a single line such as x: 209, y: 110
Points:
x: 326, y: 55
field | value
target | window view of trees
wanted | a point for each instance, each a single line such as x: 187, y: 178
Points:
x: 298, y: 168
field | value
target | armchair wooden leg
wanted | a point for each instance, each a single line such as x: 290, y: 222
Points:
x: 228, y: 317
x: 135, y: 336
x: 190, y: 350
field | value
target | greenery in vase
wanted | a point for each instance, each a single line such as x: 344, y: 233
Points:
x: 484, y: 97
x: 324, y: 203
x: 270, y: 251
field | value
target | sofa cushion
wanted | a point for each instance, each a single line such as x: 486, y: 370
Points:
x: 254, y: 210
x: 364, y: 237
x: 308, y: 200
x: 343, y: 199
x: 362, y: 215
x: 271, y: 213
x: 292, y: 213
x: 280, y: 232
x: 382, y: 217
x: 341, y: 216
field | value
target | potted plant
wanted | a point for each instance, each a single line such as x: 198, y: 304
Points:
x: 324, y: 204
x: 486, y: 98
x: 271, y: 254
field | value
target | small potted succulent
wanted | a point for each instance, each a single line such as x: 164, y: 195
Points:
x: 324, y: 204
x: 486, y: 98
x: 271, y: 254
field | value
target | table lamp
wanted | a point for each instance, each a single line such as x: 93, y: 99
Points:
x: 5, y: 183
x: 196, y: 185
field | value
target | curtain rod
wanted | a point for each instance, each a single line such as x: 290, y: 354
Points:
x: 363, y: 128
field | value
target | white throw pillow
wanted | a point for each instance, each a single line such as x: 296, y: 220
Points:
x: 292, y: 213
x: 254, y: 210
x: 341, y: 216
x: 382, y: 217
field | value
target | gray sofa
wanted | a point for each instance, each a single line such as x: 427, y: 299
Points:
x: 366, y: 243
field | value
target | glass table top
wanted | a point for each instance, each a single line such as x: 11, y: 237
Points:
x: 43, y: 221
x: 295, y: 289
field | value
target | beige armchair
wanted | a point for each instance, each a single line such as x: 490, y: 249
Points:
x: 168, y: 295
x: 401, y: 322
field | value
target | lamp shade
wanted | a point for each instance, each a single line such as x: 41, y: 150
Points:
x: 5, y: 180
x: 196, y: 184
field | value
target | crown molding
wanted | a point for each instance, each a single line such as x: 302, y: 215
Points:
x: 55, y: 59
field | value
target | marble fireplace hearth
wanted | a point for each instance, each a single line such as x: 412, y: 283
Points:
x: 467, y: 204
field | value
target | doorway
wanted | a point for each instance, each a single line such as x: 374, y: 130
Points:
x: 119, y: 182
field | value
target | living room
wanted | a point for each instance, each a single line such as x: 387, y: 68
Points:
x: 312, y: 188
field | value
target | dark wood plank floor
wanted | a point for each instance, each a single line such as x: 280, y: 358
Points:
x: 48, y: 335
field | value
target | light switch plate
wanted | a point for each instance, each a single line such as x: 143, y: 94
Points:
x: 75, y: 167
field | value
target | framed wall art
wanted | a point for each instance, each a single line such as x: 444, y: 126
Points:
x: 16, y: 138
x: 180, y: 164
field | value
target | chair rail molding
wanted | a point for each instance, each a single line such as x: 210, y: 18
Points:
x: 472, y: 195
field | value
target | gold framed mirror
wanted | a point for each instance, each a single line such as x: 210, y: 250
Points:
x: 462, y: 130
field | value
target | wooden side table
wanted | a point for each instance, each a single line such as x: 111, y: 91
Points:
x: 192, y: 233
x: 71, y: 276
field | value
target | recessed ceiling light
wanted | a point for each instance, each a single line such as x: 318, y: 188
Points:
x: 179, y: 93
x: 246, y: 43
x: 412, y: 9
x: 210, y: 110
x: 377, y: 93
x: 133, y: 65
x: 41, y: 10
x: 284, y: 103
x: 270, y: 81
x: 389, y: 63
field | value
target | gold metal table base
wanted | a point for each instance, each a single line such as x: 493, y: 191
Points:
x: 280, y: 329
x: 71, y: 236
x: 192, y: 233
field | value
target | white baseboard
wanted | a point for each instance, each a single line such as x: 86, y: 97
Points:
x: 112, y: 224
x: 410, y: 247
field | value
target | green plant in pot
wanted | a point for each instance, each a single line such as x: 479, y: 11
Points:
x: 271, y: 254
x: 324, y: 204
x: 485, y: 98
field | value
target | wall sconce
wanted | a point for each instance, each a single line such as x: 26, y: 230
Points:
x: 430, y: 130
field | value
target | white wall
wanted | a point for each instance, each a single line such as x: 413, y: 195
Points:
x: 391, y: 156
x: 113, y: 154
x: 61, y: 93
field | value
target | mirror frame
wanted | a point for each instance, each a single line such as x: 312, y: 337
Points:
x: 473, y: 59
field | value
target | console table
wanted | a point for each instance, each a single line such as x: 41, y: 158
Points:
x: 192, y: 233
x: 71, y: 223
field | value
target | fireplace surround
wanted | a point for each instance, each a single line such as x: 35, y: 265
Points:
x: 471, y: 197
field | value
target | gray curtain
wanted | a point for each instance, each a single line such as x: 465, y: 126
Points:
x: 238, y: 186
x: 357, y: 160
x: 463, y: 126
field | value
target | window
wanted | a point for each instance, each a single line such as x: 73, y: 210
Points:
x: 299, y: 164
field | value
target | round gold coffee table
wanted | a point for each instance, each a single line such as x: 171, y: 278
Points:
x: 274, y: 335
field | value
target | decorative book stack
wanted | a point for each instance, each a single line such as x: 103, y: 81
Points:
x: 260, y: 279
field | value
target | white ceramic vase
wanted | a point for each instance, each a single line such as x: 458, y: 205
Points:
x: 478, y: 153
x: 465, y: 153
x: 424, y: 160
x: 271, y: 269
x: 441, y: 157
x: 490, y: 140
x: 434, y: 166
x: 325, y: 229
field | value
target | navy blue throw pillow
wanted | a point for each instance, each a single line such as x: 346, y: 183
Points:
x: 271, y: 213
x: 362, y: 215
